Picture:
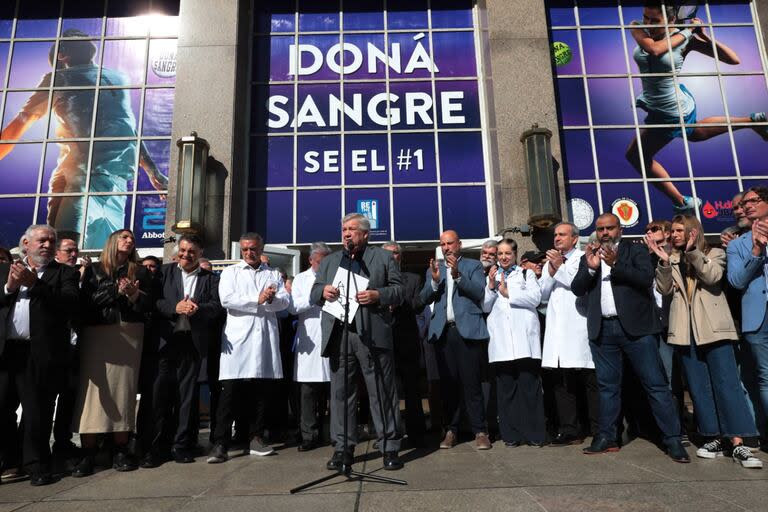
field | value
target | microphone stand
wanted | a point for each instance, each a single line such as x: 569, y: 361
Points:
x: 346, y: 469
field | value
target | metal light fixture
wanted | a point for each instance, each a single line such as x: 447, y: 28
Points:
x: 190, y: 185
x: 543, y: 203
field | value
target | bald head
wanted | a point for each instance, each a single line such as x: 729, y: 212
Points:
x: 450, y: 243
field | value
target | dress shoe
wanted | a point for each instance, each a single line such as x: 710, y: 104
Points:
x: 677, y: 452
x: 122, y: 461
x: 392, y: 462
x: 182, y: 456
x: 566, y: 440
x: 537, y: 444
x: 150, y: 460
x: 218, y: 455
x: 84, y: 467
x: 41, y: 478
x: 339, y: 459
x: 600, y: 444
x: 308, y: 445
x: 14, y: 475
x: 449, y: 441
x: 482, y: 442
x: 512, y: 444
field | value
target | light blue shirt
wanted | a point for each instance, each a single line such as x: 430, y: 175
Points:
x: 659, y: 92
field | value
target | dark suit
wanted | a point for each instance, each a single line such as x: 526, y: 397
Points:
x: 461, y: 346
x: 183, y: 345
x: 370, y: 346
x: 32, y: 369
x: 632, y: 332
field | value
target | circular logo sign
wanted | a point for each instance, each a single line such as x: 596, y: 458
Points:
x: 164, y: 64
x: 582, y: 213
x: 627, y: 211
x: 562, y: 53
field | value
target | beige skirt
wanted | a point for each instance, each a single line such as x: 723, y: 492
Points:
x: 110, y: 356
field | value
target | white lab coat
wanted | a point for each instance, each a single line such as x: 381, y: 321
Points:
x: 309, y: 365
x: 566, y: 343
x: 250, y: 345
x: 513, y: 323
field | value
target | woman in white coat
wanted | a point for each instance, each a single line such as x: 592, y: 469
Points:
x: 514, y: 348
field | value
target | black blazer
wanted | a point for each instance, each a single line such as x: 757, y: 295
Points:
x: 171, y: 291
x: 404, y: 323
x: 631, y: 278
x: 53, y: 301
x: 102, y: 305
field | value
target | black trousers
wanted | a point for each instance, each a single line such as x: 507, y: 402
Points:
x: 65, y: 406
x: 174, y: 394
x: 21, y: 381
x: 520, y: 401
x: 460, y: 363
x: 244, y: 399
x: 314, y: 397
x: 409, y: 373
x: 577, y: 400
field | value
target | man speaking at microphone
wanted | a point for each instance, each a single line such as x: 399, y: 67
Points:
x: 370, y: 341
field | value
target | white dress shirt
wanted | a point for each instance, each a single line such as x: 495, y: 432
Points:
x: 250, y: 344
x: 310, y: 366
x: 607, y: 302
x: 18, y: 320
x: 450, y: 316
x: 190, y: 281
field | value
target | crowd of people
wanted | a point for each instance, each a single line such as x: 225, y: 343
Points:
x: 549, y: 348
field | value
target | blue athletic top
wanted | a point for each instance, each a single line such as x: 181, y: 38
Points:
x: 658, y: 94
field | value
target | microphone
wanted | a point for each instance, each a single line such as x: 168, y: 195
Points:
x: 350, y: 247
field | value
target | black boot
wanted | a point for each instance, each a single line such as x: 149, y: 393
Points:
x: 85, y: 466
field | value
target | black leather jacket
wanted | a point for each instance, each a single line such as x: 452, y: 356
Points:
x: 103, y: 305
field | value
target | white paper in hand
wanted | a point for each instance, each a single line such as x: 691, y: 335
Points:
x: 357, y: 283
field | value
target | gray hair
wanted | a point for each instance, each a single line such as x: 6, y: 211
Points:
x: 30, y: 231
x: 252, y: 235
x: 574, y: 229
x: 361, y: 219
x: 490, y: 243
x: 392, y: 243
x: 319, y: 248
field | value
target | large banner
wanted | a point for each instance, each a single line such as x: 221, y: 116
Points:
x: 375, y: 109
x: 662, y: 108
x: 87, y: 105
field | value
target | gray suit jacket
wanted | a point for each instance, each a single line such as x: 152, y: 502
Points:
x: 374, y: 322
x: 467, y: 299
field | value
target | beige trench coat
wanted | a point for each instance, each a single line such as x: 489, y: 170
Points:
x: 707, y: 314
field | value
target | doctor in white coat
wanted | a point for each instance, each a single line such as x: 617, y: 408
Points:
x: 250, y: 347
x: 566, y: 345
x: 311, y: 369
x: 514, y: 348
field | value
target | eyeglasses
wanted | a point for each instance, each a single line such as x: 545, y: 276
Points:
x: 653, y: 229
x: 752, y: 201
x: 70, y: 250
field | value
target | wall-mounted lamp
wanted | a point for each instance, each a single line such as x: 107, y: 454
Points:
x: 543, y: 203
x: 191, y: 183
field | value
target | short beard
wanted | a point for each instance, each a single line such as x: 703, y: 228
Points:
x: 487, y: 264
x: 39, y: 261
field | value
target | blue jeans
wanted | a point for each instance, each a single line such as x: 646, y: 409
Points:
x: 718, y: 400
x: 758, y: 346
x: 643, y: 354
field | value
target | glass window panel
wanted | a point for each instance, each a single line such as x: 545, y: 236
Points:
x: 117, y: 112
x: 314, y: 64
x: 632, y: 12
x: 14, y: 213
x: 73, y: 114
x: 661, y: 204
x: 314, y: 106
x: 420, y: 168
x: 696, y: 62
x: 70, y: 175
x: 572, y: 101
x: 416, y: 203
x: 565, y: 52
x: 77, y: 63
x: 611, y: 148
x: 598, y: 15
x: 454, y: 54
x: 158, y: 112
x: 161, y: 68
x: 413, y: 55
x: 712, y: 157
x: 4, y: 49
x: 610, y: 101
x: 362, y: 64
x: 29, y: 64
x: 405, y: 14
x: 750, y: 150
x: 317, y: 216
x: 84, y: 17
x: 113, y: 165
x: 275, y: 16
x: 615, y: 197
x: 415, y: 105
x: 458, y: 104
x: 20, y: 168
x: 37, y: 19
x: 29, y: 103
x: 583, y: 207
x: 319, y: 16
x: 743, y: 42
x: 278, y: 228
x: 729, y: 12
x: 706, y: 92
x: 319, y: 160
x: 452, y: 14
x: 271, y: 162
x: 561, y: 13
x: 603, y: 51
x: 373, y: 101
x: 7, y: 10
x: 106, y: 214
x: 461, y: 157
x: 716, y: 211
x: 465, y: 210
x: 159, y: 151
x: 124, y: 62
x: 374, y: 204
x: 128, y: 18
x: 365, y: 160
x: 671, y: 156
x: 277, y: 117
x: 149, y: 221
x: 163, y: 26
x: 577, y: 154
x: 271, y: 59
x: 364, y: 15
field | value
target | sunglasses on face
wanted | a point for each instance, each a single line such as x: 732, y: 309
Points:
x: 653, y: 229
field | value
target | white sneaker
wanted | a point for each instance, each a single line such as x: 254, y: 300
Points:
x: 743, y: 456
x: 257, y: 447
x: 711, y: 450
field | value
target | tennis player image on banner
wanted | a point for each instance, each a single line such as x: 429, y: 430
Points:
x: 662, y: 103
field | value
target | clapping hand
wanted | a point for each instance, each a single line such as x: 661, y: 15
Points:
x: 434, y: 267
x: 658, y: 251
x: 592, y: 255
x: 492, y: 277
x: 186, y: 306
x: 608, y: 255
x: 503, y: 290
x: 759, y: 237
x: 267, y: 294
x: 19, y: 275
x: 452, y: 262
x: 691, y: 242
x: 128, y: 288
x: 555, y: 260
x: 727, y: 237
